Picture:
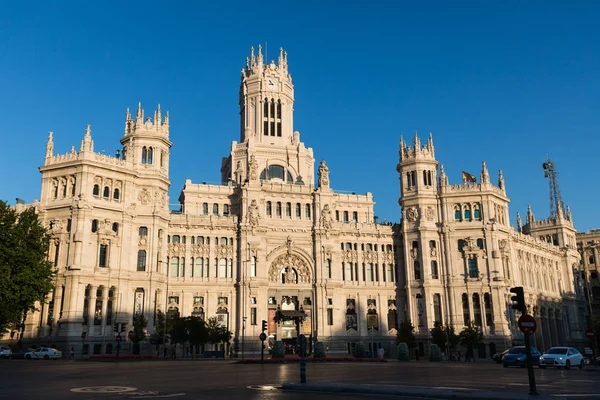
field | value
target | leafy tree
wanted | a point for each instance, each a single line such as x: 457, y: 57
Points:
x: 444, y: 335
x: 216, y: 333
x: 25, y: 273
x: 452, y: 337
x: 179, y: 330
x: 406, y: 334
x: 197, y: 332
x: 158, y: 336
x: 470, y: 337
x: 140, y: 323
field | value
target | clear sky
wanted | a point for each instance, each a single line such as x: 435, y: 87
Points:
x: 509, y: 82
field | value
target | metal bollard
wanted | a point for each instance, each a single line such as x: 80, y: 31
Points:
x: 302, y: 371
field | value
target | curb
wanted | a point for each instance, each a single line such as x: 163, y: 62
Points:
x: 457, y: 393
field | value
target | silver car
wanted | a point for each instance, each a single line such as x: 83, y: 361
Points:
x: 561, y: 357
x: 5, y: 352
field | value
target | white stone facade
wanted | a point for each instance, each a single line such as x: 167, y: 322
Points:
x: 462, y: 257
x: 270, y: 241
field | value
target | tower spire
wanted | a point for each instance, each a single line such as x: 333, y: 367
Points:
x: 87, y: 144
x: 501, y: 180
x: 530, y: 217
x: 485, y: 175
x: 519, y: 222
x: 416, y: 142
x: 430, y: 143
x: 443, y: 177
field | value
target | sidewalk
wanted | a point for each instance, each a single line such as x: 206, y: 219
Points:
x: 415, y: 391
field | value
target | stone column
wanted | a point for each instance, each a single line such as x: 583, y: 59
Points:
x: 553, y: 328
x: 104, y: 308
x: 91, y: 308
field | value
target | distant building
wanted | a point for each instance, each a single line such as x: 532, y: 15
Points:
x: 274, y: 242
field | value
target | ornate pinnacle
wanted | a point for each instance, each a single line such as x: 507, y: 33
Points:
x: 49, y: 145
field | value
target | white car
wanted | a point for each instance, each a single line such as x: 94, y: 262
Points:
x: 561, y: 357
x: 5, y: 352
x: 45, y: 352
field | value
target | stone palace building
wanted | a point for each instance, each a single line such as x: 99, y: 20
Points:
x: 275, y: 242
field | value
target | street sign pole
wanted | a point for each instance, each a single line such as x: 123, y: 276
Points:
x: 118, y: 339
x: 529, y: 362
x: 262, y: 337
x: 302, y: 340
x: 589, y: 333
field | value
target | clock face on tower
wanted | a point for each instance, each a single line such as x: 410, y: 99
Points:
x: 271, y: 84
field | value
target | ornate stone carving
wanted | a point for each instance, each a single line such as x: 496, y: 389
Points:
x: 57, y: 226
x: 412, y: 214
x: 323, y: 175
x: 144, y: 197
x: 253, y: 166
x: 253, y: 217
x: 286, y: 262
x: 326, y: 219
x: 429, y: 213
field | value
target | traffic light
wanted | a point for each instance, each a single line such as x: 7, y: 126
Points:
x: 116, y: 328
x: 264, y: 325
x: 123, y: 328
x: 518, y: 299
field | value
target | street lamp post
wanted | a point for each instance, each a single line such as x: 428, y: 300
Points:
x: 243, y: 335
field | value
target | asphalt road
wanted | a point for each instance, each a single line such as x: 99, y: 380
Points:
x: 187, y: 379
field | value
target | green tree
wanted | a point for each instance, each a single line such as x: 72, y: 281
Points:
x: 470, y: 337
x: 179, y: 330
x: 25, y: 273
x: 438, y: 335
x: 158, y: 336
x: 140, y: 323
x: 216, y: 333
x: 451, y: 336
x: 406, y: 334
x: 197, y: 332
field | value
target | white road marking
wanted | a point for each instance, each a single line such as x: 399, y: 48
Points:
x: 160, y: 396
x: 104, y: 389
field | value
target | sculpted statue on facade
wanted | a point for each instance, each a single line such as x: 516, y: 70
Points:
x: 323, y: 175
x: 253, y: 213
x: 253, y: 166
x: 326, y: 219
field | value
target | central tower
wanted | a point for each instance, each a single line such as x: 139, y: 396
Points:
x: 269, y: 148
x: 266, y: 100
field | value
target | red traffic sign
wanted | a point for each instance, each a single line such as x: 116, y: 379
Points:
x: 527, y: 324
x: 589, y: 333
x: 118, y: 338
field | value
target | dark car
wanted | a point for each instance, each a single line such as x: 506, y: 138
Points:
x: 516, y: 357
x: 20, y: 353
x: 498, y: 356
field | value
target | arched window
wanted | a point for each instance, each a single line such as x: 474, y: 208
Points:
x: 288, y: 210
x: 94, y: 225
x: 466, y: 312
x: 480, y: 243
x: 96, y: 191
x: 161, y: 158
x: 437, y: 309
x: 192, y: 240
x: 115, y: 227
x: 143, y: 231
x: 345, y: 216
x: 278, y: 209
x: 354, y: 216
x: 477, y: 309
x: 457, y: 213
x: 298, y: 210
x: 417, y: 269
x: 215, y: 209
x: 176, y: 239
x: 434, y: 269
x: 200, y: 240
x: 106, y: 192
x: 205, y: 208
x: 141, y: 260
x: 489, y: 314
x: 266, y: 109
x: 144, y: 155
x: 307, y: 211
x: 183, y: 239
x: 223, y: 241
x: 116, y: 194
x: 226, y: 209
x: 269, y: 212
x: 150, y: 155
x: 425, y: 178
x: 477, y: 213
x: 468, y: 213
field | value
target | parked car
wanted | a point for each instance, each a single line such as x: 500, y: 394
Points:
x: 561, y: 357
x: 498, y: 356
x: 516, y: 357
x: 5, y: 352
x: 45, y: 352
x: 19, y: 354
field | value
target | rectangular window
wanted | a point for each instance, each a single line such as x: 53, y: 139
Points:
x: 298, y: 210
x: 98, y: 312
x: 307, y: 211
x: 288, y: 210
x: 253, y: 266
x: 370, y: 276
x: 278, y: 209
x: 328, y: 269
x: 253, y: 316
x: 473, y: 270
x: 103, y: 256
x: 390, y: 273
x: 141, y: 261
x: 199, y: 268
x: 330, y: 316
x: 434, y: 269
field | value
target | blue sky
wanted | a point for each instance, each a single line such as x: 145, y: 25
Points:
x: 507, y: 82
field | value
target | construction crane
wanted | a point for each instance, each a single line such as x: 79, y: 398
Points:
x: 556, y: 202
